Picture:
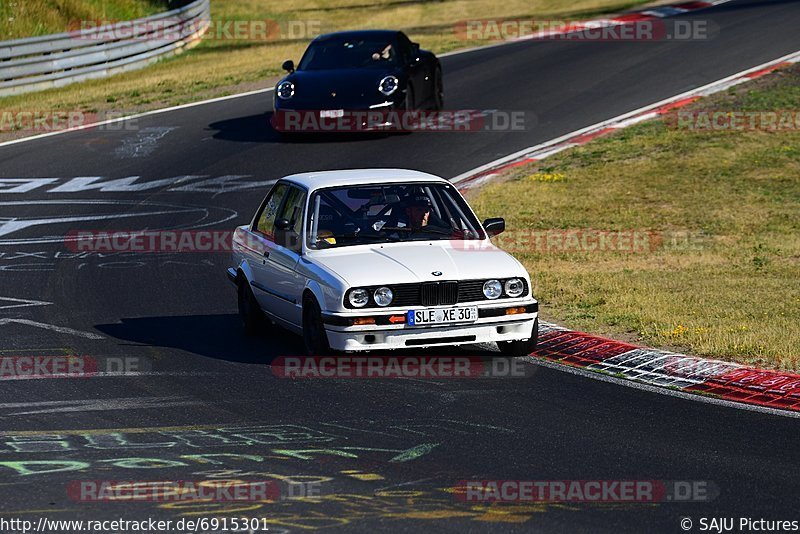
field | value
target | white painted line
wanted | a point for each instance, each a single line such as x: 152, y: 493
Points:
x: 136, y: 116
x: 704, y: 90
x: 97, y: 405
x: 113, y: 374
x: 22, y: 303
x: 52, y: 327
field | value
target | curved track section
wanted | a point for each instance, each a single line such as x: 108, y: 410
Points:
x: 205, y: 403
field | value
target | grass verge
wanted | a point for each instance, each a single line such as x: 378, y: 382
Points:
x: 709, y: 258
x: 30, y: 18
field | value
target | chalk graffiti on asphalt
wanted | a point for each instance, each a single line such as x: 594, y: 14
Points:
x: 145, y: 215
x: 395, y: 443
x: 190, y: 183
x: 43, y: 261
x: 321, y: 454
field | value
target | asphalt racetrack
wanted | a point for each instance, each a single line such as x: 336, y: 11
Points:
x: 385, y: 454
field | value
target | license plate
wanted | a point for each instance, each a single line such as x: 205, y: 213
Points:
x: 442, y: 316
x: 331, y: 113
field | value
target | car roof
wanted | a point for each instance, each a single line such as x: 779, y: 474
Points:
x: 320, y: 179
x: 358, y: 34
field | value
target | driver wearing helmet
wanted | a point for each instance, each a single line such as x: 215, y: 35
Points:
x: 415, y: 213
x: 418, y: 211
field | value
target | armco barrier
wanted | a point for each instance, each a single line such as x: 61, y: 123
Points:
x: 38, y: 63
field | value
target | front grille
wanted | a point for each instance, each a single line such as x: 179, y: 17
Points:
x: 438, y: 293
x: 444, y: 293
x: 471, y: 290
x: 429, y: 294
x: 405, y: 295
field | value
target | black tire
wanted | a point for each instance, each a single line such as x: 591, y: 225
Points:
x: 314, y: 337
x: 253, y: 318
x: 521, y: 348
x: 438, y: 90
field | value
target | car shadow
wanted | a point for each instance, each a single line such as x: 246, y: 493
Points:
x: 221, y: 337
x: 213, y: 336
x: 257, y: 129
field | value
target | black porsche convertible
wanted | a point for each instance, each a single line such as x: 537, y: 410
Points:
x: 354, y: 80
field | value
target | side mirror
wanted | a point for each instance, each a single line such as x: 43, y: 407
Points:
x: 494, y: 226
x: 288, y: 66
x: 282, y: 224
x: 414, y: 53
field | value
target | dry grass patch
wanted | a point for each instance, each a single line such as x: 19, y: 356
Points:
x: 725, y: 281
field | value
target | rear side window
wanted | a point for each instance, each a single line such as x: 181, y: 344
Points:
x: 292, y: 211
x: 265, y: 224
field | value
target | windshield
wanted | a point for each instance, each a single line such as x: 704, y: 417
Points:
x: 342, y: 53
x: 358, y: 215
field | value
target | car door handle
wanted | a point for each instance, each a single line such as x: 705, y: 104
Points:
x: 266, y: 257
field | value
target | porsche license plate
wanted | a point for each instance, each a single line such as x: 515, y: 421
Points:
x: 331, y: 113
x: 442, y: 316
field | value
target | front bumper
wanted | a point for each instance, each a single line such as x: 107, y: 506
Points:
x: 492, y: 326
x: 383, y: 119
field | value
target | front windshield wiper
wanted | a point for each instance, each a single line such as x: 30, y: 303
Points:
x: 427, y: 229
x: 380, y: 237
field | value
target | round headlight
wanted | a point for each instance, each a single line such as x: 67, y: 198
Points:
x: 358, y: 298
x: 285, y: 90
x: 383, y: 296
x: 514, y: 287
x: 492, y: 289
x: 388, y: 85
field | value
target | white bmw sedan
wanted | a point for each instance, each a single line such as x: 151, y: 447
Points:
x: 373, y: 259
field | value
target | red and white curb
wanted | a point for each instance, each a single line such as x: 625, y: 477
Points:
x: 485, y: 173
x: 715, y: 379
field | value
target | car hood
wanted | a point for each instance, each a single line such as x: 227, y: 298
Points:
x: 401, y: 263
x: 353, y: 87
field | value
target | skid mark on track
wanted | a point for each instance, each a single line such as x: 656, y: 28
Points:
x: 143, y: 143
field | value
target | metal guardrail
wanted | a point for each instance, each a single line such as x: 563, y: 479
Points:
x: 38, y: 63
